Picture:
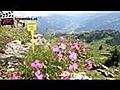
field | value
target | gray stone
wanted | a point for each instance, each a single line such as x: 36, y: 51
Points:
x: 80, y: 76
x: 104, y: 67
x: 109, y: 78
x: 102, y: 72
x: 110, y: 74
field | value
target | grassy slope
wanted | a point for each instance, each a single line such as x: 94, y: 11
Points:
x: 7, y: 35
x: 43, y: 53
x: 95, y: 52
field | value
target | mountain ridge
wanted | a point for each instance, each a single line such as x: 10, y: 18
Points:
x: 78, y: 23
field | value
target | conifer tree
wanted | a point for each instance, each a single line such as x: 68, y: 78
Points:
x: 114, y: 59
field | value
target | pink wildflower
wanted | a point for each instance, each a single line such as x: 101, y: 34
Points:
x: 72, y: 49
x: 38, y: 75
x: 60, y: 55
x: 73, y: 56
x: 7, y: 78
x: 75, y: 45
x: 36, y: 63
x: 89, y: 64
x: 56, y: 48
x: 0, y: 72
x: 73, y: 67
x: 84, y: 51
x: 15, y: 75
x: 66, y: 77
x: 61, y: 38
x: 62, y: 46
x: 16, y: 64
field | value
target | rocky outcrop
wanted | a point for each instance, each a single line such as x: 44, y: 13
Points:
x: 74, y: 76
x: 80, y: 76
x: 15, y: 50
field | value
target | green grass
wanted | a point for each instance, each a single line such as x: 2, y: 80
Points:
x: 44, y: 54
x: 7, y: 35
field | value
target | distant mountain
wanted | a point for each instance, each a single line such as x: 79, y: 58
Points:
x: 53, y: 23
x: 78, y: 23
x: 108, y: 21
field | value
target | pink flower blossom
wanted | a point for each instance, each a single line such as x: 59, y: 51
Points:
x: 60, y: 55
x: 89, y: 64
x: 61, y: 38
x: 73, y: 67
x: 36, y: 63
x: 62, y: 46
x: 75, y: 45
x: 56, y: 48
x: 84, y: 51
x: 15, y: 75
x: 66, y: 77
x: 7, y: 78
x: 72, y: 49
x: 38, y: 75
x: 73, y: 56
x: 0, y: 72
x: 16, y: 64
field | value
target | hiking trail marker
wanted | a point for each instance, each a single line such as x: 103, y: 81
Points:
x: 31, y: 26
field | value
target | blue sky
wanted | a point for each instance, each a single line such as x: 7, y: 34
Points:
x: 45, y: 13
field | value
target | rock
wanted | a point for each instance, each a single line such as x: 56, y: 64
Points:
x: 86, y: 78
x: 38, y: 41
x: 110, y: 74
x: 116, y: 70
x: 17, y: 42
x: 78, y: 39
x: 64, y: 73
x: 2, y: 51
x: 17, y: 49
x: 38, y: 35
x: 96, y: 66
x: 82, y: 73
x: 104, y: 67
x: 106, y: 54
x: 106, y: 74
x: 112, y: 71
x: 76, y: 77
x: 109, y: 79
x: 80, y: 76
x: 102, y: 72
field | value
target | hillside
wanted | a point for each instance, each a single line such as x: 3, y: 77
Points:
x: 79, y: 22
x: 112, y: 36
x: 59, y: 57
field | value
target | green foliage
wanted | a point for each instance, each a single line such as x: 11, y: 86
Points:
x: 7, y: 35
x: 114, y: 59
x: 100, y: 48
x: 45, y: 55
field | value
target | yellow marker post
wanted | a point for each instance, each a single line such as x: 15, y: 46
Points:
x: 31, y: 26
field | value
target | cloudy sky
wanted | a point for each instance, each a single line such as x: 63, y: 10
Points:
x: 45, y: 13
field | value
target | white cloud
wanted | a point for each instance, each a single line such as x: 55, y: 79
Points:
x: 45, y: 13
